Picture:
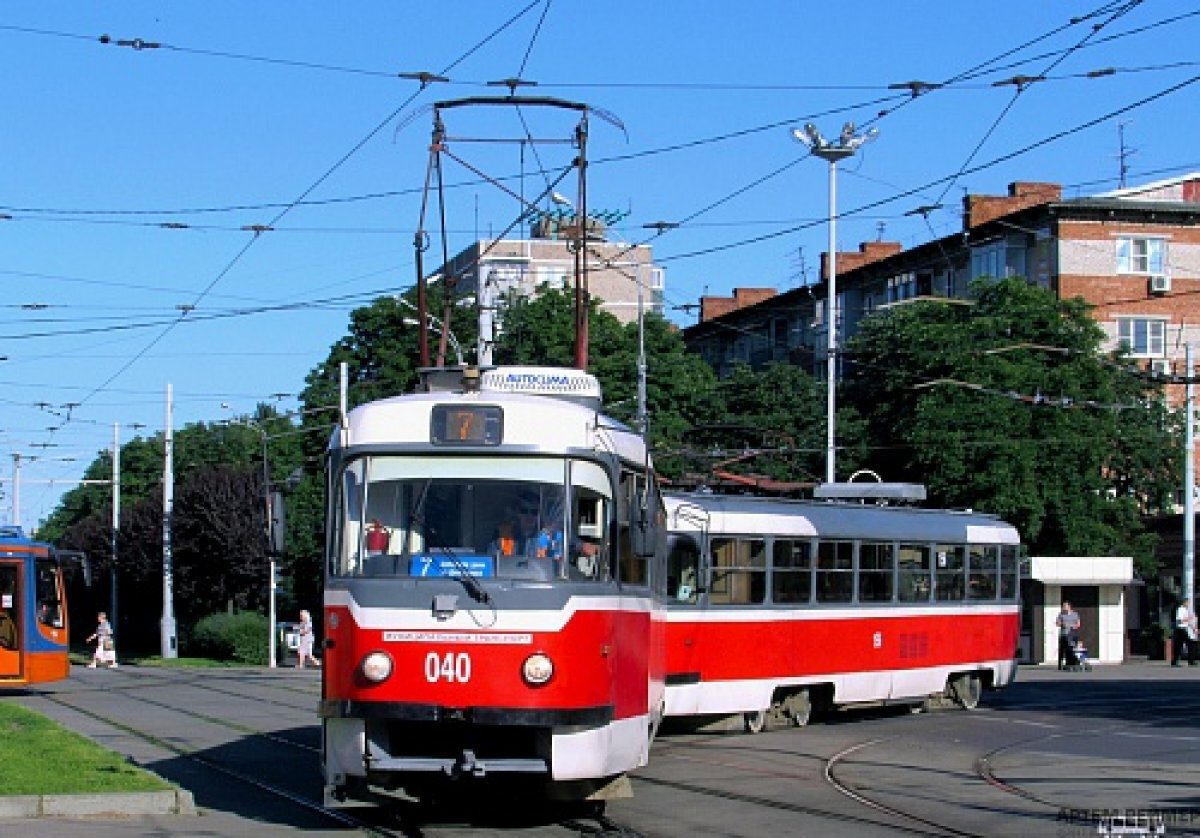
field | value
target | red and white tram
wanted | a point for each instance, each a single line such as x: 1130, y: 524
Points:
x: 777, y: 606
x: 494, y: 590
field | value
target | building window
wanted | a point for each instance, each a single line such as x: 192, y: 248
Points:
x: 999, y: 259
x: 1143, y: 337
x: 1141, y: 255
x: 988, y: 260
x: 901, y: 287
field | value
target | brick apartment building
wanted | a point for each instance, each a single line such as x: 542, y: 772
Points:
x: 1134, y: 254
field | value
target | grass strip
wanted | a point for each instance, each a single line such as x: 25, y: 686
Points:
x: 38, y: 756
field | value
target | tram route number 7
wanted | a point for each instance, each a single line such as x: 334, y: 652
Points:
x: 452, y: 667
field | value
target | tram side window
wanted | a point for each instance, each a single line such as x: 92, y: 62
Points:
x: 835, y: 571
x: 49, y: 594
x: 633, y: 567
x: 347, y: 553
x: 9, y: 614
x: 913, y: 579
x: 874, y: 572
x: 739, y: 570
x: 1009, y: 571
x: 791, y: 570
x: 949, y: 572
x: 983, y: 562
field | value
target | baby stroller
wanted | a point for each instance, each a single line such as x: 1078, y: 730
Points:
x: 1081, y: 657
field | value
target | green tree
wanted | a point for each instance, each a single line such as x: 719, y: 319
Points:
x: 218, y: 532
x: 679, y: 385
x: 1007, y: 405
x: 776, y: 416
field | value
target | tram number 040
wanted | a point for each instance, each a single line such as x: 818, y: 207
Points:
x: 450, y: 667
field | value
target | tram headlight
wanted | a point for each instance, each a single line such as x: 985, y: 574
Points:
x: 537, y: 669
x: 376, y: 667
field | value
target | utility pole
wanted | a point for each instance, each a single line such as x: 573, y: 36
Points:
x: 116, y: 519
x: 168, y: 645
x: 643, y: 420
x: 16, y: 491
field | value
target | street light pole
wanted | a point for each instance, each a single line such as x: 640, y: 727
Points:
x: 167, y: 637
x: 1189, y: 488
x: 268, y: 541
x: 116, y: 519
x: 831, y: 152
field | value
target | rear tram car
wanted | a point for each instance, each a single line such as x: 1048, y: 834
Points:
x: 494, y: 595
x: 33, y: 612
x: 777, y: 606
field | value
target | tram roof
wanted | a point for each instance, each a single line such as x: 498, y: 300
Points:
x: 743, y: 514
x: 530, y: 422
x: 14, y: 542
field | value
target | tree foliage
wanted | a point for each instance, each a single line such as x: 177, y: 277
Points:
x: 679, y: 385
x: 775, y: 418
x: 219, y: 548
x: 1008, y: 405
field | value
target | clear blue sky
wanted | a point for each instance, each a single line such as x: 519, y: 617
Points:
x: 248, y: 108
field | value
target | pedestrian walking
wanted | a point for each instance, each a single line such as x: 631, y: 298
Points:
x: 1184, y: 634
x: 106, y: 646
x: 305, y: 646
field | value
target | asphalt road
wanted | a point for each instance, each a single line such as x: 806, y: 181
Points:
x: 1048, y: 756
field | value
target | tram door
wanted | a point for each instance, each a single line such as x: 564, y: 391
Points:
x: 11, y: 656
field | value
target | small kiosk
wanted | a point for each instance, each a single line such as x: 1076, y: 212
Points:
x: 1094, y: 585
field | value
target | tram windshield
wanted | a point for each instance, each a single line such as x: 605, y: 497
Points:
x: 537, y: 518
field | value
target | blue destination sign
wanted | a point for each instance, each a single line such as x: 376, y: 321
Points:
x: 440, y: 564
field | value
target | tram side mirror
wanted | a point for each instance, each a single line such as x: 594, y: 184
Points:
x: 644, y: 529
x: 76, y: 559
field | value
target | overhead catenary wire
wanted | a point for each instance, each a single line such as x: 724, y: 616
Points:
x: 694, y: 223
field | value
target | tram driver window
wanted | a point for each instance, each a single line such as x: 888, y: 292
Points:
x: 48, y: 594
x: 949, y: 570
x: 683, y: 565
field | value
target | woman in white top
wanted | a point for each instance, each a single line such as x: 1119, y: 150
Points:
x: 305, y: 650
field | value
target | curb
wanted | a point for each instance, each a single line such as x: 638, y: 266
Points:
x: 170, y: 802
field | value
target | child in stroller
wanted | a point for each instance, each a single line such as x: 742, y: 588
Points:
x: 1081, y: 656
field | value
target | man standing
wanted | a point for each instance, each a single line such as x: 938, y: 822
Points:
x: 1184, y: 634
x: 1068, y: 631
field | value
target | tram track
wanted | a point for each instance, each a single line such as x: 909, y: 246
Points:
x: 908, y: 824
x: 899, y: 820
x: 402, y: 818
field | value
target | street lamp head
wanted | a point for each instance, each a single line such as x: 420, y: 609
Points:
x: 560, y: 200
x: 809, y: 136
x: 854, y: 143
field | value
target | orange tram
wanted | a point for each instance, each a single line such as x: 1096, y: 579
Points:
x: 33, y: 611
